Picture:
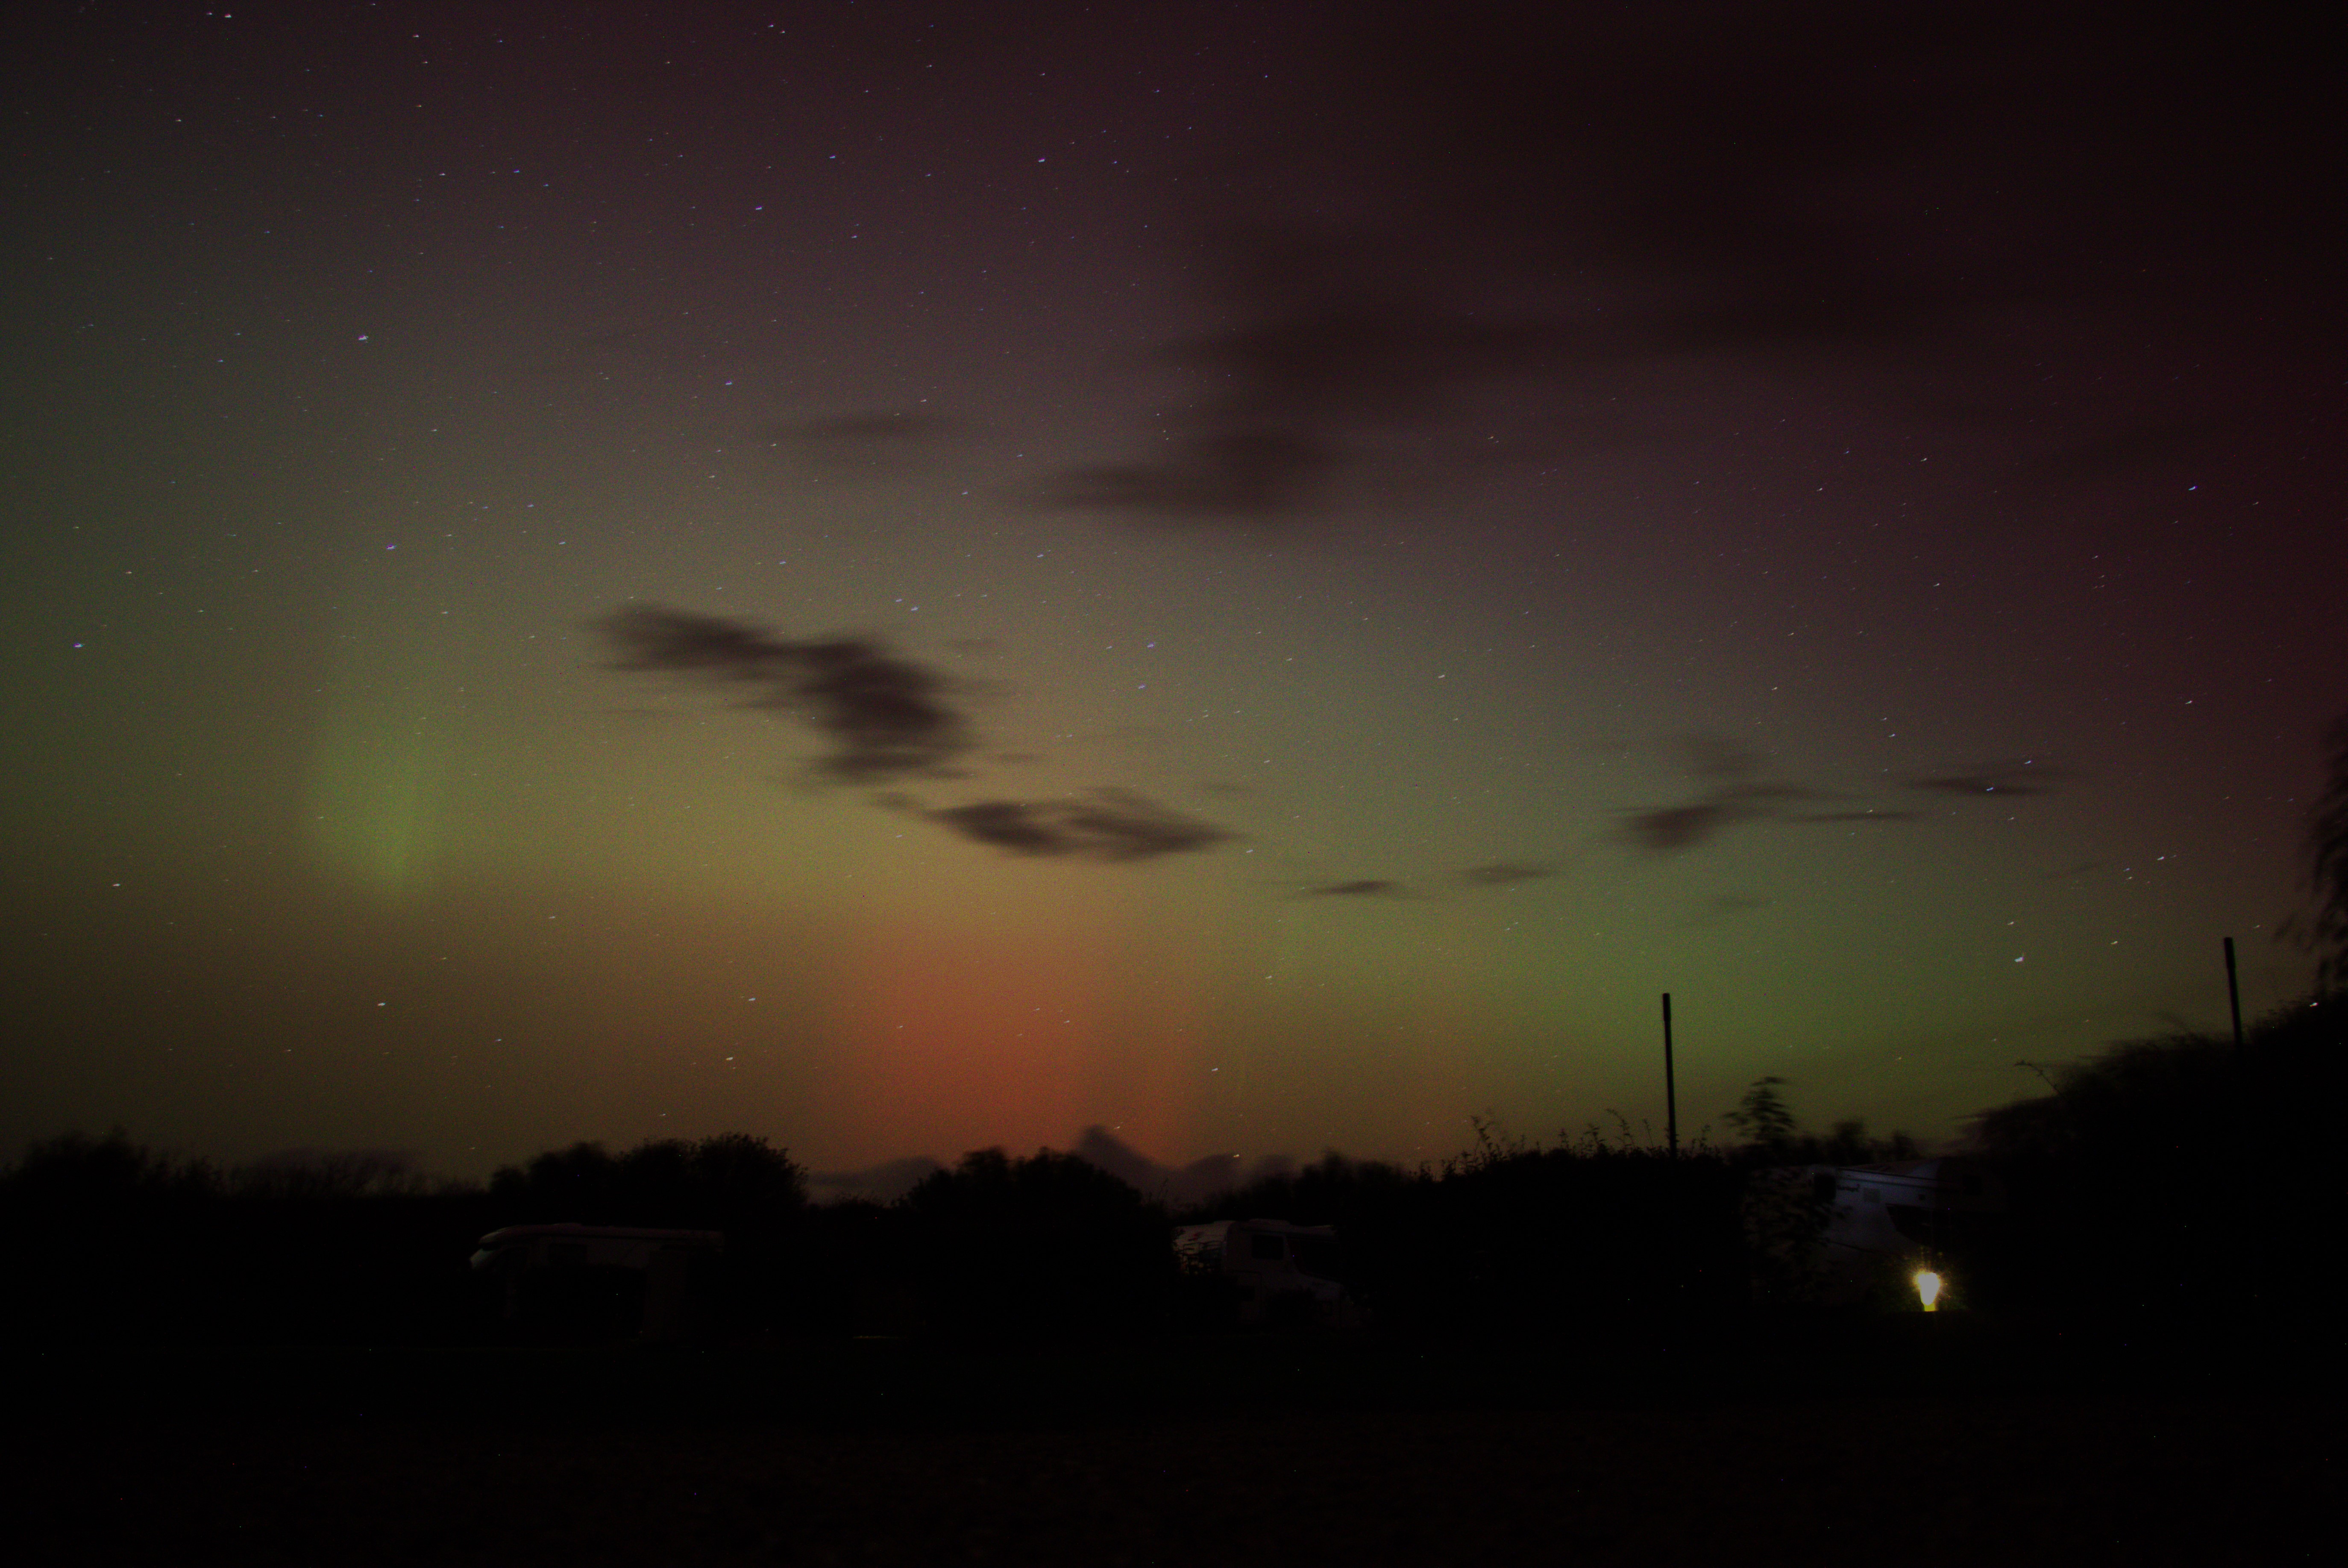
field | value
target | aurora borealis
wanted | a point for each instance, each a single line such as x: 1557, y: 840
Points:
x: 907, y: 577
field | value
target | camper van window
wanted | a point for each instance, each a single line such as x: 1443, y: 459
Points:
x: 1822, y: 1187
x: 1266, y: 1249
x: 567, y: 1254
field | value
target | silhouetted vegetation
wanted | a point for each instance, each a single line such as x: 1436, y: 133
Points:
x: 1508, y: 1237
x: 112, y: 1240
x: 2170, y: 1182
x: 2327, y: 854
x: 734, y: 1184
x: 2178, y: 1182
x: 1048, y: 1245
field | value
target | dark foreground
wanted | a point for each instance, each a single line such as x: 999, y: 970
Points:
x: 1914, y: 1441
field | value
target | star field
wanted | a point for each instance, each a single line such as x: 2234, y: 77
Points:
x: 901, y: 578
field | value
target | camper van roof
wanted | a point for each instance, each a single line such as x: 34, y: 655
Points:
x: 1920, y: 1169
x: 572, y: 1230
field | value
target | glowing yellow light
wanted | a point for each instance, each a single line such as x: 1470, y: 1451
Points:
x: 1928, y: 1288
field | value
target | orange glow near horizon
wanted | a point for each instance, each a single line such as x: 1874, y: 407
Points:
x: 967, y: 1035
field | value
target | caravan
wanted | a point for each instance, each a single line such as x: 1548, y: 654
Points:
x: 593, y: 1282
x: 1270, y: 1271
x: 1902, y: 1230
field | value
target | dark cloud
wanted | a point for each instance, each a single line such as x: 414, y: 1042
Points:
x: 1108, y: 825
x: 887, y: 716
x: 874, y: 443
x: 1733, y: 794
x: 1317, y: 350
x: 1365, y: 888
x: 877, y: 427
x: 1991, y: 779
x: 1239, y: 472
x: 1506, y: 874
x: 1430, y: 201
x: 1668, y: 828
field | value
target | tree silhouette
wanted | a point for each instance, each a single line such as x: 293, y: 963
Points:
x: 2327, y: 848
x: 1048, y: 1245
x: 1763, y: 1116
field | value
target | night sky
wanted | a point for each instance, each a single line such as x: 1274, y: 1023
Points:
x: 904, y: 577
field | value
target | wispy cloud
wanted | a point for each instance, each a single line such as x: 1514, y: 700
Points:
x: 1989, y: 778
x: 1506, y: 874
x: 1366, y: 887
x: 886, y: 717
x: 1315, y: 350
x: 1586, y: 196
x: 1108, y: 824
x: 1666, y: 828
x: 1734, y: 793
x: 889, y: 719
x: 870, y: 443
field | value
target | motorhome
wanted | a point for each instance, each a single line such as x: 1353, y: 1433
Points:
x: 602, y: 1281
x: 1274, y: 1271
x: 1901, y: 1231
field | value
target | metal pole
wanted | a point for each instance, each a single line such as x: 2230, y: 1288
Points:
x: 1670, y: 1091
x: 2234, y: 995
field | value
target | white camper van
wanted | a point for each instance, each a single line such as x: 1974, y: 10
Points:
x: 1907, y: 1225
x: 1277, y: 1271
x: 608, y: 1278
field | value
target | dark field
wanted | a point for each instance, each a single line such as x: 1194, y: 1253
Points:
x: 1911, y: 1442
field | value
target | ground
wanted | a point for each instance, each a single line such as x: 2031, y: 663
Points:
x: 1920, y: 1449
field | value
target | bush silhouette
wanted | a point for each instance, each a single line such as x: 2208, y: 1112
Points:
x: 1043, y: 1246
x: 739, y: 1185
x: 2179, y: 1181
x: 1515, y: 1239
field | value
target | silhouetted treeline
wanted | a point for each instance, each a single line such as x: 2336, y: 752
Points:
x: 109, y: 1240
x: 1045, y: 1245
x: 2177, y: 1183
x: 1510, y: 1238
x: 2181, y: 1181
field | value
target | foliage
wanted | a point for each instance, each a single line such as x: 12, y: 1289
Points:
x: 2327, y: 850
x: 739, y: 1185
x: 117, y: 1241
x: 1774, y: 1137
x: 732, y: 1182
x: 1511, y: 1237
x: 1764, y: 1117
x: 1045, y: 1245
x: 2179, y: 1180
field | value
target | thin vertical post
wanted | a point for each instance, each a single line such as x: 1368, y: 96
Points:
x: 2234, y: 995
x: 1671, y: 1090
